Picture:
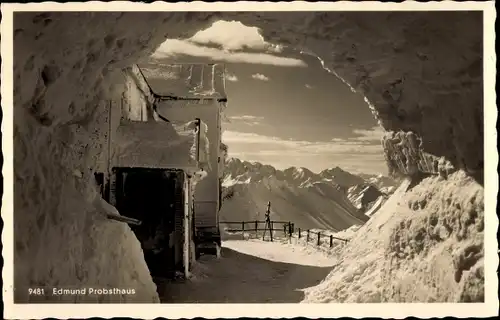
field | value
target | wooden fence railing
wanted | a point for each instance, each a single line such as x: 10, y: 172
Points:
x: 311, y: 235
x: 256, y: 226
x: 287, y: 227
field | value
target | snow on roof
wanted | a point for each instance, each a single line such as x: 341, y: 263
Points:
x: 161, y: 145
x: 186, y: 80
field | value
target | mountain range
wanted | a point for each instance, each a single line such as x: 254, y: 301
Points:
x: 333, y: 199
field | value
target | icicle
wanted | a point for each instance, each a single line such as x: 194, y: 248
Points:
x: 212, y: 89
x: 200, y: 85
x: 219, y: 78
x: 190, y: 77
x: 195, y: 77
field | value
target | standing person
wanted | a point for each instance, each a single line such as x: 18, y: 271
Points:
x: 268, y: 221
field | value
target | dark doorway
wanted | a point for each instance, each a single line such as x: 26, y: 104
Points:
x: 153, y: 196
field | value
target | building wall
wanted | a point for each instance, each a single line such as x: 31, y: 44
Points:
x: 207, y: 190
x: 134, y: 102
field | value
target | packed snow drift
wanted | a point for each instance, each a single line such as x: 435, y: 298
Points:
x: 425, y: 245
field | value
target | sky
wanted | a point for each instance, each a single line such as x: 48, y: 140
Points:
x: 283, y: 109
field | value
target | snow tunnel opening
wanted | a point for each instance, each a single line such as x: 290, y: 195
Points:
x: 403, y: 150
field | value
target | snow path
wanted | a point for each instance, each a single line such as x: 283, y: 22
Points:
x: 251, y: 271
x: 280, y: 252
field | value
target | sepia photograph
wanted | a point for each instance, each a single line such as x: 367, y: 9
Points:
x: 260, y: 156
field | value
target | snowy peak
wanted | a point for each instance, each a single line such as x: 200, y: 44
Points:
x: 341, y: 177
x: 384, y: 184
x: 300, y: 176
x: 245, y: 172
x: 332, y: 199
x: 297, y: 194
x: 299, y: 172
x: 360, y: 191
x: 363, y: 196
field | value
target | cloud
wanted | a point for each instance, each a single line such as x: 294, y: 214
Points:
x: 260, y: 76
x: 231, y: 77
x: 277, y: 144
x: 374, y: 134
x: 232, y: 36
x: 229, y: 39
x: 363, y: 137
x: 308, y: 86
x: 245, y: 119
x: 316, y: 156
x: 172, y: 48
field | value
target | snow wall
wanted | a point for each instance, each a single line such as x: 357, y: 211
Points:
x: 416, y: 73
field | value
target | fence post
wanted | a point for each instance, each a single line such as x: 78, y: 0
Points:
x: 307, y: 239
x: 331, y: 241
x: 290, y: 229
x: 319, y: 236
x: 271, y: 229
x: 299, y: 233
x: 256, y: 227
x: 243, y: 227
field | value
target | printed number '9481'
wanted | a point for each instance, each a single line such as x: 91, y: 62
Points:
x: 36, y: 291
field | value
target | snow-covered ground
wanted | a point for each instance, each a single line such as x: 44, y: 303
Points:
x: 252, y: 271
x: 375, y: 206
x: 338, y: 243
x: 324, y: 247
x: 423, y: 245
